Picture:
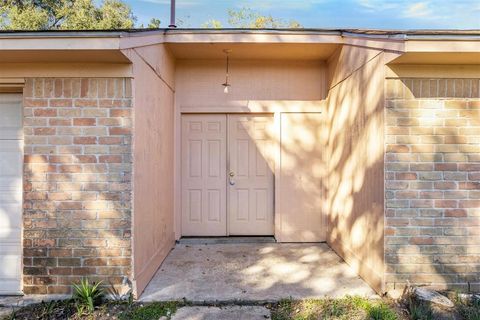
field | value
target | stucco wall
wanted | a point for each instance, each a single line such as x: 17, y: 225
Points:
x: 199, y: 82
x: 153, y: 225
x: 354, y: 187
x: 432, y: 178
x: 77, y: 182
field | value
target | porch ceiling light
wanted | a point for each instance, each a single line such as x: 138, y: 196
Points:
x: 226, y: 84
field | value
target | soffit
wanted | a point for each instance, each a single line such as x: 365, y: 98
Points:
x: 259, y: 51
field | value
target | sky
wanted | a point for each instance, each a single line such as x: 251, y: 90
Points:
x: 374, y: 14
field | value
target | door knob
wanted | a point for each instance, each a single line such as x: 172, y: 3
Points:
x: 230, y: 178
x: 232, y: 174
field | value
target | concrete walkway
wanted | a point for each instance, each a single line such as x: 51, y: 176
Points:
x: 253, y: 272
x: 222, y: 313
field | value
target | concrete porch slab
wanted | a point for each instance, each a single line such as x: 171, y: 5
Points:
x: 253, y: 272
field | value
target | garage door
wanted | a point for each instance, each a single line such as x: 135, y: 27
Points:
x: 11, y: 165
x: 227, y: 175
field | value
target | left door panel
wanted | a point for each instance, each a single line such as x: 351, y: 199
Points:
x: 203, y: 175
x: 11, y: 168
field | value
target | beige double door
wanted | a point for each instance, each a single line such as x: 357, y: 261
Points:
x: 227, y: 174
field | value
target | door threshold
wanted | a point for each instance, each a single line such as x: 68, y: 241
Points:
x: 226, y: 240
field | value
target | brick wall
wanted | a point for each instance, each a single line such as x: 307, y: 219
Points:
x: 77, y: 190
x: 432, y: 166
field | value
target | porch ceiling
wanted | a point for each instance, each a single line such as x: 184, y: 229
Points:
x: 258, y: 51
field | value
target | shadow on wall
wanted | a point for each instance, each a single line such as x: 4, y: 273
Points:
x: 433, y: 223
x: 77, y: 172
x: 347, y: 184
x: 354, y: 188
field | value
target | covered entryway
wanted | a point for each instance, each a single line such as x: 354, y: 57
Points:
x: 11, y: 166
x: 227, y: 174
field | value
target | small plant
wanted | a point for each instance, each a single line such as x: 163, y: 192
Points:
x: 47, y: 309
x: 418, y: 310
x: 87, y: 296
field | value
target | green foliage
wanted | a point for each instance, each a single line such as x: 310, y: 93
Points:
x: 152, y: 311
x: 212, y: 24
x: 65, y: 15
x: 347, y: 308
x: 87, y: 296
x: 154, y: 23
x: 247, y: 18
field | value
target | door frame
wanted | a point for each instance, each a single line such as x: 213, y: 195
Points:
x: 178, y: 158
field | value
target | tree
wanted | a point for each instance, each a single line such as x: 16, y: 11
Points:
x: 212, y: 24
x: 65, y: 15
x: 247, y: 18
x: 154, y: 23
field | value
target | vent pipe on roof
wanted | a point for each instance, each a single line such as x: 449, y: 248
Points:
x: 172, y: 14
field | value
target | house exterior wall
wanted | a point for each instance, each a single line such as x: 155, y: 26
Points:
x: 354, y: 183
x: 432, y: 181
x: 153, y: 218
x: 199, y: 82
x: 77, y: 182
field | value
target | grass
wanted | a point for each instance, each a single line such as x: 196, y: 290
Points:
x: 122, y: 310
x: 153, y: 310
x: 350, y: 307
x: 469, y: 310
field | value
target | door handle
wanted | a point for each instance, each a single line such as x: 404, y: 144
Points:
x: 231, y: 175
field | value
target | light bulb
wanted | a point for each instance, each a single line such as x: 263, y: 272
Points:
x: 226, y: 89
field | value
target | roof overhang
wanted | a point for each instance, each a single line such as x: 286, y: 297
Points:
x: 410, y: 47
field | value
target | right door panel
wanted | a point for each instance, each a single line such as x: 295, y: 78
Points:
x: 250, y: 175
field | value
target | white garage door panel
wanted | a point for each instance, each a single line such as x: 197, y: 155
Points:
x: 11, y: 122
x: 11, y: 167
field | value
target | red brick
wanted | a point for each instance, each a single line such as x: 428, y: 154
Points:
x: 110, y: 159
x: 44, y: 131
x: 85, y: 140
x: 110, y: 140
x: 455, y: 213
x: 406, y: 176
x: 120, y: 112
x: 35, y: 159
x: 469, y: 185
x: 445, y: 167
x: 61, y: 103
x: 445, y: 203
x: 84, y: 121
x: 119, y: 131
x: 45, y: 113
